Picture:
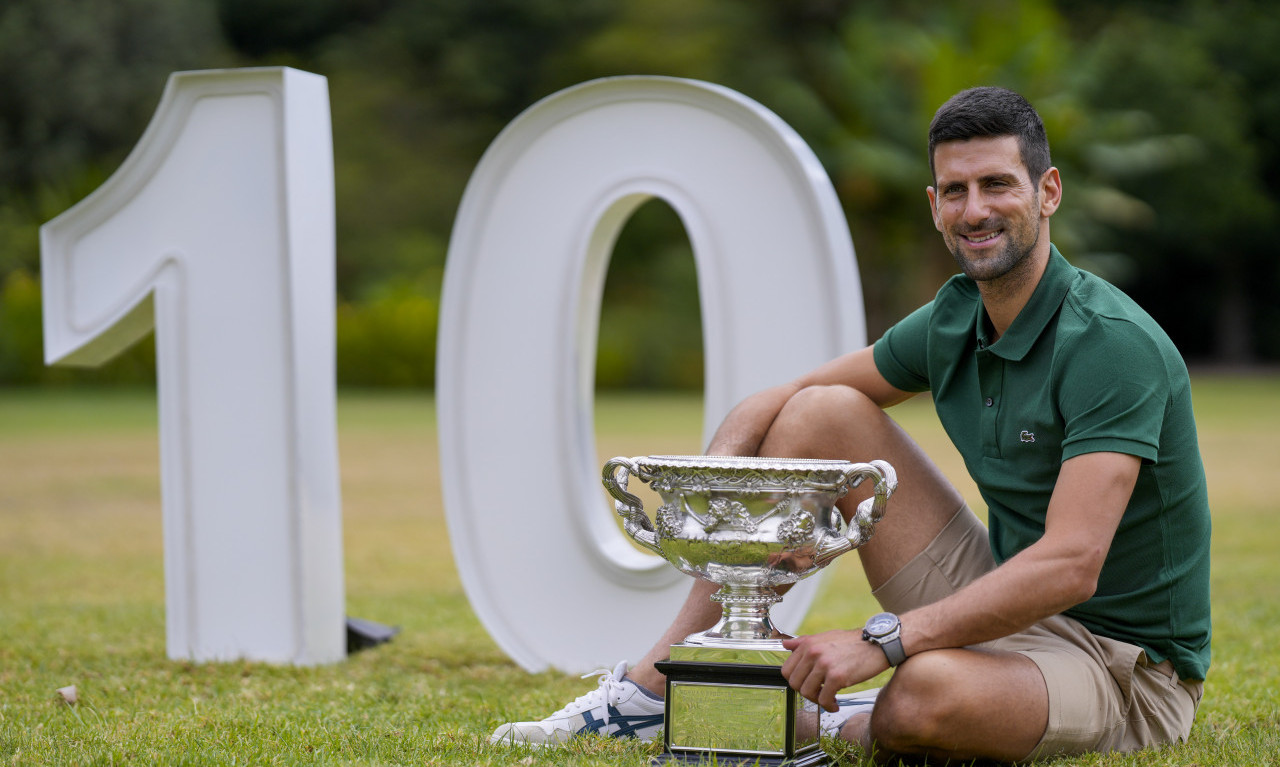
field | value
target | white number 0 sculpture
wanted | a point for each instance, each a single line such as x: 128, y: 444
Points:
x: 219, y: 230
x: 546, y: 568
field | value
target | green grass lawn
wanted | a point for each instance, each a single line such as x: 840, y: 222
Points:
x: 82, y: 597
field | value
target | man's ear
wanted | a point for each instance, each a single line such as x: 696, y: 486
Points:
x: 933, y: 206
x: 1050, y: 192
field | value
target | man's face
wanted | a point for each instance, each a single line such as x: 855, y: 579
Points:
x: 987, y: 207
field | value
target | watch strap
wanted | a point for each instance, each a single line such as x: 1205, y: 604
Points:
x: 893, y: 650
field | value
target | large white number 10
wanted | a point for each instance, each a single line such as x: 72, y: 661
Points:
x: 218, y: 230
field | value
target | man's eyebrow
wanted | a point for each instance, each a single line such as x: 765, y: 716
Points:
x: 1005, y: 176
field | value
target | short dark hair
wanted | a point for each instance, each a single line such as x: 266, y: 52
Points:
x: 992, y: 112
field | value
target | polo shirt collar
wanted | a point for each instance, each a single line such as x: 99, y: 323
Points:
x: 1035, y: 316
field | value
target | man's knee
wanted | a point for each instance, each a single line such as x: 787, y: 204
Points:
x: 817, y: 418
x: 827, y: 399
x: 920, y: 704
x: 962, y: 703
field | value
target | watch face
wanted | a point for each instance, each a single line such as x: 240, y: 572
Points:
x: 881, y: 624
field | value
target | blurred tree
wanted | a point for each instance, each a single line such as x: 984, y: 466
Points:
x: 1144, y: 102
x: 1184, y: 137
x: 418, y: 94
x: 861, y: 81
x: 1243, y: 41
x: 259, y: 28
x: 79, y: 81
x: 1141, y: 108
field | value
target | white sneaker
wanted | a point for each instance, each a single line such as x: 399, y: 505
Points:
x: 850, y: 704
x: 617, y: 708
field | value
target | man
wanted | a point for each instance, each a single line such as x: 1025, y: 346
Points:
x: 1079, y: 620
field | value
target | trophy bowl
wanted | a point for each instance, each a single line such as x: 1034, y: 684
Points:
x: 747, y: 524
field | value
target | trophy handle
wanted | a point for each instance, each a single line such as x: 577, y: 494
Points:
x: 616, y: 474
x: 869, y: 512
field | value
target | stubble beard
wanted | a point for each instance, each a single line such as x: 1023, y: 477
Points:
x: 1019, y: 244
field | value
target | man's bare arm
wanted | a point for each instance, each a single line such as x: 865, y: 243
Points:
x: 1057, y: 572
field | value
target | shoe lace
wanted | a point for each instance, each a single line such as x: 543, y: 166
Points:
x: 607, y: 692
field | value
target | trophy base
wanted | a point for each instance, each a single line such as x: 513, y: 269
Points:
x: 819, y: 758
x: 732, y: 706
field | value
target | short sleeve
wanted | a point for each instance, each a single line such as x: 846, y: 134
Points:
x: 902, y: 353
x: 1117, y: 393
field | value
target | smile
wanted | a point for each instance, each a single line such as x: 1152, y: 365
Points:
x: 981, y: 239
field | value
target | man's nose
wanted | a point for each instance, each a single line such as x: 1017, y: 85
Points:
x: 976, y: 207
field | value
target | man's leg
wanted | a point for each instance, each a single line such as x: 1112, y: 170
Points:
x: 957, y: 704
x: 960, y: 703
x: 840, y: 423
x: 698, y: 613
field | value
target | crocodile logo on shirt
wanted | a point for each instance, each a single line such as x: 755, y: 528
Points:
x: 1027, y: 436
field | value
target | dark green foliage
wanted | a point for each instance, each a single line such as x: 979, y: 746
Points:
x: 1164, y: 119
x: 79, y: 80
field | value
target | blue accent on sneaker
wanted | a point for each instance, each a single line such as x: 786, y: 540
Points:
x: 620, y: 725
x: 600, y: 711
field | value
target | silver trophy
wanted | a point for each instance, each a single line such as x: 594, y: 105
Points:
x: 749, y: 525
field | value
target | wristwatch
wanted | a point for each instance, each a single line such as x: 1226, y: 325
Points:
x: 885, y: 629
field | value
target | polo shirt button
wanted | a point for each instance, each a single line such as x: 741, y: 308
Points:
x: 989, y: 402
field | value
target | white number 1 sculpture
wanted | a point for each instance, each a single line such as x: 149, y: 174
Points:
x: 218, y: 230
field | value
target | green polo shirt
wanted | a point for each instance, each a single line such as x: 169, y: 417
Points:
x: 1082, y: 369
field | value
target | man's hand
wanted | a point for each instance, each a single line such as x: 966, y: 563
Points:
x: 822, y: 665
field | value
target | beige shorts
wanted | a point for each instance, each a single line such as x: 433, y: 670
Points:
x: 1104, y: 694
